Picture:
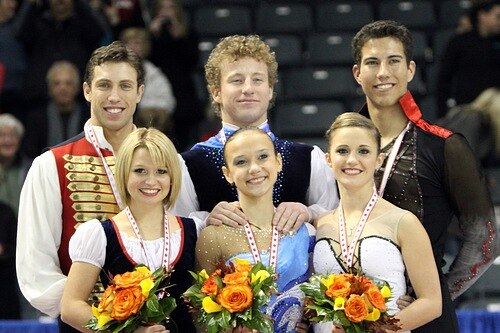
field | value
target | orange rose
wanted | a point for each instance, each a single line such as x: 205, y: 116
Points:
x: 129, y: 279
x: 340, y: 287
x: 365, y: 282
x: 356, y: 309
x: 105, y: 305
x: 235, y: 298
x: 376, y: 299
x: 209, y: 287
x: 236, y: 278
x: 127, y: 302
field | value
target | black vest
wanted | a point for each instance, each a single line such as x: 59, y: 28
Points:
x: 205, y: 169
x: 117, y: 262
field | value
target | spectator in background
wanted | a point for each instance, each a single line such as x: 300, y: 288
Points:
x: 469, y: 64
x: 488, y: 104
x: 123, y: 14
x: 62, y: 117
x: 12, y: 168
x: 13, y: 60
x: 175, y: 51
x: 9, y: 298
x: 158, y: 102
x: 479, y: 122
x: 66, y: 30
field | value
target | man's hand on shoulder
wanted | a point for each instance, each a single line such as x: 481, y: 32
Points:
x: 290, y: 216
x: 228, y: 213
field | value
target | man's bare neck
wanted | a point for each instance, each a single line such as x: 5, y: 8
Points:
x: 390, y: 122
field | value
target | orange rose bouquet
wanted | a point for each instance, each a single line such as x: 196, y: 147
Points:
x: 133, y: 299
x: 232, y: 296
x: 355, y: 302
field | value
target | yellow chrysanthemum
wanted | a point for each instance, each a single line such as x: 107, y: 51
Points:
x: 203, y: 274
x: 210, y: 306
x: 328, y: 281
x: 386, y: 291
x: 146, y: 286
x: 339, y: 303
x: 102, y: 317
x: 144, y: 270
x: 374, y: 315
x: 260, y: 276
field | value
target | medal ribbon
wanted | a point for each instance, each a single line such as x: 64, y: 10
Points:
x: 348, y: 251
x: 273, y: 255
x: 391, y: 159
x: 89, y: 132
x: 166, y: 238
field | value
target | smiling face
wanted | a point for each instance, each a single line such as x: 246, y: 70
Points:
x: 383, y: 72
x: 244, y: 93
x: 353, y: 156
x: 251, y: 163
x: 113, y: 95
x: 148, y: 183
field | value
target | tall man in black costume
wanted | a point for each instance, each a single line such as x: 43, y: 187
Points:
x: 241, y: 73
x: 426, y: 166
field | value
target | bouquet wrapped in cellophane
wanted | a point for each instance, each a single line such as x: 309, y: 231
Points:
x: 234, y: 295
x: 133, y: 299
x: 355, y: 302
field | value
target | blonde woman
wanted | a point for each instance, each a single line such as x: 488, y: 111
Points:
x: 145, y: 232
x: 367, y: 234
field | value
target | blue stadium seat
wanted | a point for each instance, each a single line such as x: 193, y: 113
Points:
x: 414, y: 14
x: 325, y: 82
x: 305, y: 118
x: 450, y: 12
x: 222, y: 20
x: 343, y: 15
x: 330, y: 48
x: 288, y: 48
x: 284, y: 18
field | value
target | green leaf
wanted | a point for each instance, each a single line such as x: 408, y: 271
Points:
x: 261, y: 323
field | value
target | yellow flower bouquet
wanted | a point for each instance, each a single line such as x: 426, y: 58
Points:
x: 355, y: 302
x: 232, y: 296
x: 133, y: 299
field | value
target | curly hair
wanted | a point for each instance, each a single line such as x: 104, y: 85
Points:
x: 233, y: 48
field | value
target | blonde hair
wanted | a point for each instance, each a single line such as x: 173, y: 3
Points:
x: 234, y: 48
x: 163, y: 153
x: 488, y: 104
x: 353, y: 119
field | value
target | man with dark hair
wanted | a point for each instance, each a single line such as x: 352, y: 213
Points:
x: 73, y: 182
x: 428, y: 170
